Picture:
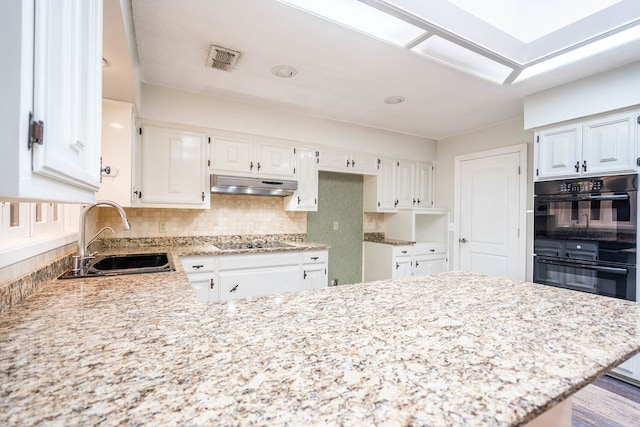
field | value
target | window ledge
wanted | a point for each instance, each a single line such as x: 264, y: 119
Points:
x: 33, y: 247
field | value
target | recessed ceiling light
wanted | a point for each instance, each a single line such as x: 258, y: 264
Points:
x: 283, y: 71
x: 392, y: 100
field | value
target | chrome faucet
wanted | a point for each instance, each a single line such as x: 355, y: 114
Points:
x: 83, y: 254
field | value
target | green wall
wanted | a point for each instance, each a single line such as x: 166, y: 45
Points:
x: 339, y: 199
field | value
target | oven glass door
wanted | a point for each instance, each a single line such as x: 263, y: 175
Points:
x: 610, y: 279
x: 603, y: 217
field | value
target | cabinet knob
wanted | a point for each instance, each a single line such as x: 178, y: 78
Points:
x: 314, y: 258
x: 212, y: 284
x: 584, y: 166
x: 462, y: 240
x: 259, y: 166
x: 234, y: 288
x: 577, y: 166
x: 397, y: 265
x: 251, y: 166
x: 304, y: 275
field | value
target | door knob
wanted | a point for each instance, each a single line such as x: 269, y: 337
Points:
x: 462, y: 240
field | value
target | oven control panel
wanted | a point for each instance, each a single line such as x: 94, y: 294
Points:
x: 580, y: 186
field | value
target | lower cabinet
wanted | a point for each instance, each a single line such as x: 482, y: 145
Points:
x: 228, y: 277
x: 628, y: 370
x: 202, y: 272
x: 314, y: 269
x: 384, y: 261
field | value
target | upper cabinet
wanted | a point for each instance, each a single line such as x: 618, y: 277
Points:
x: 250, y: 157
x: 118, y: 134
x: 306, y: 173
x: 171, y: 168
x: 347, y: 162
x: 52, y: 91
x: 602, y: 146
x: 399, y: 184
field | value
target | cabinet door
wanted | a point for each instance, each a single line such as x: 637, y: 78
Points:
x: 231, y: 155
x: 364, y: 163
x: 608, y: 144
x: 118, y: 134
x: 314, y: 276
x: 558, y: 152
x: 405, y: 184
x: 402, y: 267
x: 236, y: 284
x: 424, y: 185
x: 428, y: 264
x: 306, y: 173
x: 336, y: 161
x: 68, y: 91
x: 204, y: 286
x: 172, y: 169
x: 274, y: 160
x: 386, y: 183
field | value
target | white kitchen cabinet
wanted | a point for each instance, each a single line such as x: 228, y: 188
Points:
x: 429, y: 258
x: 383, y: 261
x: 400, y: 184
x: 246, y: 275
x: 226, y: 277
x: 52, y: 56
x: 314, y: 269
x: 628, y: 370
x: 171, y: 168
x: 405, y: 184
x: 424, y: 185
x: 601, y: 146
x: 379, y: 191
x: 247, y: 156
x: 306, y: 173
x: 118, y: 134
x: 609, y: 144
x: 344, y: 161
x: 201, y: 271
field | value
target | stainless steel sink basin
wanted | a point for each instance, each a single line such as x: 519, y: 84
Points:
x: 115, y: 265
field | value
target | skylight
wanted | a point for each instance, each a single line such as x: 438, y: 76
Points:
x: 504, y: 41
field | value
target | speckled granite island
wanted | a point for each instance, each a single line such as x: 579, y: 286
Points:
x: 453, y: 349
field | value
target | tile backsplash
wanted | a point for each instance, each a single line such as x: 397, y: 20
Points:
x: 229, y: 214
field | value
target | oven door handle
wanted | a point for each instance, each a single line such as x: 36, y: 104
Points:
x: 581, y: 198
x: 600, y: 268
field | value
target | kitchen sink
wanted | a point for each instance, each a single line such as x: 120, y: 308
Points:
x: 115, y: 265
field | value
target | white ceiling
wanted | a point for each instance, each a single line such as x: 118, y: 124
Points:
x: 342, y: 74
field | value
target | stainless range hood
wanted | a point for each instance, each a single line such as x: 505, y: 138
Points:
x: 226, y: 184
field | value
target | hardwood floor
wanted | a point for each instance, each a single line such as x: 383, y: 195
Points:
x: 607, y: 402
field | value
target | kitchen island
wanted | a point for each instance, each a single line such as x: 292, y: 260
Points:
x: 452, y: 349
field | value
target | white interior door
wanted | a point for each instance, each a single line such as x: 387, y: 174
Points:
x: 490, y: 203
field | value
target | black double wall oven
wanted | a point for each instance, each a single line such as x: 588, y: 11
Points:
x: 585, y: 235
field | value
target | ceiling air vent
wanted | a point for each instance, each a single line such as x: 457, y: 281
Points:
x: 222, y: 58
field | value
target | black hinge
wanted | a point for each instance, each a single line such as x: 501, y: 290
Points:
x: 36, y: 132
x: 139, y: 131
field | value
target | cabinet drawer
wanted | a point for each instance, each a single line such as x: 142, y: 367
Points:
x: 401, y: 251
x: 314, y: 257
x: 430, y: 248
x: 244, y: 261
x: 198, y: 264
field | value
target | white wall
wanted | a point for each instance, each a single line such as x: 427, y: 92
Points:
x: 164, y: 104
x: 612, y: 90
x: 501, y: 135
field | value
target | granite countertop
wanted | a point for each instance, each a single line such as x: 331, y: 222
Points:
x: 455, y: 349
